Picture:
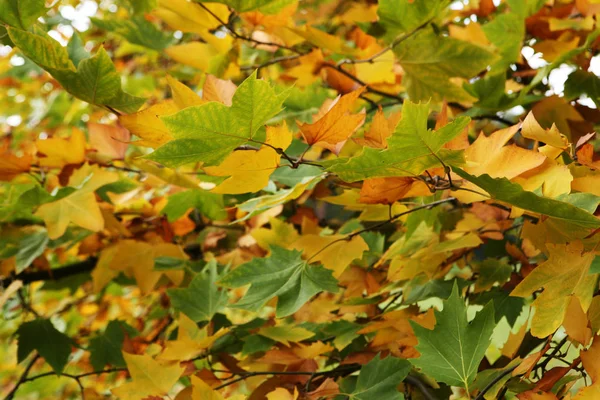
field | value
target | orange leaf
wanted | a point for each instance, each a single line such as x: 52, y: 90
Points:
x: 381, y: 128
x: 11, y: 166
x: 385, y: 190
x: 336, y: 126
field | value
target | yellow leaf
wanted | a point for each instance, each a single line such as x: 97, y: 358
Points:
x: 551, y: 49
x: 554, y: 179
x: 60, y: 152
x: 149, y: 377
x: 308, y: 69
x: 249, y: 170
x: 220, y: 90
x: 148, y: 126
x: 282, y: 394
x: 565, y: 273
x: 336, y: 126
x: 80, y: 207
x: 191, y: 341
x: 313, y: 350
x: 186, y: 16
x: 102, y: 273
x: 285, y: 334
x: 281, y: 234
x: 381, y: 70
x: 183, y: 96
x: 338, y: 253
x: 323, y: 40
x: 201, y: 390
x: 136, y: 259
x: 531, y: 129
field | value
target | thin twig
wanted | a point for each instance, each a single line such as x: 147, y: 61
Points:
x: 383, y: 223
x: 272, y: 61
x: 22, y: 378
x: 395, y: 42
x: 245, y: 38
x: 493, y: 382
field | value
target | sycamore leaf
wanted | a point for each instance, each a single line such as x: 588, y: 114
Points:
x: 79, y: 207
x: 21, y: 14
x: 137, y: 30
x: 512, y: 193
x: 282, y: 394
x: 249, y: 171
x: 107, y: 347
x: 149, y: 377
x: 388, y: 190
x: 531, y: 129
x: 208, y: 204
x: 219, y: 90
x: 286, y: 334
x: 59, y: 152
x: 380, y: 130
x: 209, y: 132
x: 563, y: 275
x: 336, y: 126
x: 590, y: 358
x: 95, y: 79
x: 201, y: 390
x: 31, y: 246
x: 403, y: 16
x: 430, y: 60
x: 202, y: 299
x: 191, y: 341
x: 189, y: 17
x: 379, y: 379
x: 337, y: 254
x: 136, y: 259
x: 264, y: 6
x: 50, y: 343
x: 283, y: 274
x: 452, y: 351
x: 147, y: 124
x: 11, y: 166
x: 411, y: 149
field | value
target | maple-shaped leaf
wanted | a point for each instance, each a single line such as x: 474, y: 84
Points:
x: 403, y: 16
x: 336, y: 126
x: 286, y: 334
x: 564, y: 274
x: 249, y: 171
x: 49, y: 342
x: 107, y: 347
x: 284, y: 274
x: 590, y: 359
x: 58, y: 152
x: 208, y: 204
x: 136, y: 259
x: 379, y: 379
x: 209, y: 132
x: 11, y: 166
x: 202, y: 299
x: 149, y: 377
x: 93, y: 79
x: 332, y: 251
x: 381, y: 128
x: 191, y: 340
x: 21, y: 14
x: 512, y: 193
x: 452, y: 351
x: 202, y: 391
x: 79, y: 207
x: 411, y: 149
x: 136, y: 30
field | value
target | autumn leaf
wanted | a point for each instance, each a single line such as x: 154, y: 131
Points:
x: 149, y: 377
x: 559, y: 285
x: 333, y: 129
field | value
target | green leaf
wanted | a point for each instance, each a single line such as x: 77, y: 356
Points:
x: 506, y: 32
x: 452, y: 351
x: 505, y: 305
x: 264, y: 6
x: 53, y: 345
x: 379, y: 379
x: 429, y: 62
x: 209, y: 204
x: 504, y: 190
x: 21, y: 13
x: 137, y: 30
x: 284, y: 274
x: 210, y: 132
x: 411, y: 149
x: 202, y: 299
x: 94, y: 80
x: 106, y: 349
x: 165, y: 263
x: 580, y: 82
x: 404, y: 16
x: 491, y: 271
x: 30, y: 247
x: 141, y: 6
